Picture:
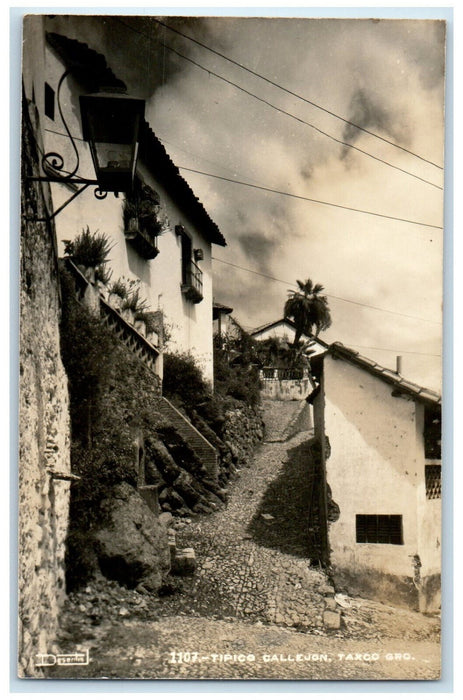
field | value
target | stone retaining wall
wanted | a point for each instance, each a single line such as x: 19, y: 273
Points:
x: 43, y: 426
x: 242, y: 431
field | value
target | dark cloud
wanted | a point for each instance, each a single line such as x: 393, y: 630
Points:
x: 258, y: 248
x: 134, y: 45
x: 385, y: 76
x: 368, y: 113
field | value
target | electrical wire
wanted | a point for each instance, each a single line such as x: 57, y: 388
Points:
x: 294, y: 94
x: 289, y: 114
x: 302, y: 121
x: 332, y: 296
x: 287, y: 194
x: 406, y: 352
x: 310, y: 199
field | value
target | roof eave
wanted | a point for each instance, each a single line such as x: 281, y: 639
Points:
x: 402, y: 387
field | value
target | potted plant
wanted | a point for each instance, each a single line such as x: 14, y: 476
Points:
x: 131, y: 216
x: 89, y: 251
x: 153, y: 325
x: 118, y: 292
x: 133, y: 304
x: 144, y: 220
x: 103, y: 276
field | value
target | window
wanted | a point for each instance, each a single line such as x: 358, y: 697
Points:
x: 432, y: 432
x: 192, y: 277
x: 433, y: 481
x: 379, y: 529
x: 49, y: 101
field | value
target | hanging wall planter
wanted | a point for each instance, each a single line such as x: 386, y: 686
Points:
x: 144, y: 221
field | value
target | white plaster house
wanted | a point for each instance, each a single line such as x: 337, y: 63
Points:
x: 283, y: 328
x: 384, y: 473
x: 281, y: 384
x: 223, y: 323
x: 174, y: 269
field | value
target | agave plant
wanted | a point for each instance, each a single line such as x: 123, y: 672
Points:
x: 90, y: 249
x: 134, y: 302
x: 120, y: 287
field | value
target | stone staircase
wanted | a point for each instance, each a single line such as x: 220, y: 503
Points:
x: 202, y: 448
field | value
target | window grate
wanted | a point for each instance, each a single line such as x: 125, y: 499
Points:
x: 379, y: 529
x: 433, y: 481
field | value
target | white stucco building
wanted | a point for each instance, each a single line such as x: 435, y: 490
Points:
x: 283, y: 329
x: 384, y: 472
x: 174, y: 268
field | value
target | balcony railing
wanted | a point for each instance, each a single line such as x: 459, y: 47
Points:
x: 192, y: 286
x: 282, y: 373
x: 142, y: 242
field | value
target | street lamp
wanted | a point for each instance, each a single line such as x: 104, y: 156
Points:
x: 111, y: 126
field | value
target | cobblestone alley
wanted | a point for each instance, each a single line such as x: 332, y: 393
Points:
x: 254, y: 599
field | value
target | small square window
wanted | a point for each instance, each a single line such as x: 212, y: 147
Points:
x: 379, y: 529
x: 49, y: 101
x: 433, y: 481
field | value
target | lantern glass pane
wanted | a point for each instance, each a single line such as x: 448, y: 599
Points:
x: 112, y: 121
x: 114, y: 155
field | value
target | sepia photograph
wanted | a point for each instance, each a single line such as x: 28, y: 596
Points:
x: 230, y: 347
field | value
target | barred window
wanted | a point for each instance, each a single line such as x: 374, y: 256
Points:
x: 433, y: 480
x: 379, y: 529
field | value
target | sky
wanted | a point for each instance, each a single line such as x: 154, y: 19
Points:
x: 386, y: 76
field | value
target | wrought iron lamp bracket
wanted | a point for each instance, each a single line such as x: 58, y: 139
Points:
x: 52, y: 164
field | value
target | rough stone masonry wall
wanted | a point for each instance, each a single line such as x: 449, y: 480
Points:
x: 242, y: 431
x: 43, y: 426
x: 184, y: 483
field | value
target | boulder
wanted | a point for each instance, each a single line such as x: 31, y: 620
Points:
x: 132, y: 545
x: 189, y: 489
x: 164, y: 462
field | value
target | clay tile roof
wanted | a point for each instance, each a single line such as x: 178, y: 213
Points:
x: 401, y: 385
x: 91, y: 66
x: 266, y: 326
x: 153, y: 153
x: 369, y: 362
x: 94, y: 73
x: 221, y: 307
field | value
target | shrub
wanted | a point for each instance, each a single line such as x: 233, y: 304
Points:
x: 238, y: 379
x: 183, y: 380
x: 134, y: 302
x: 113, y: 395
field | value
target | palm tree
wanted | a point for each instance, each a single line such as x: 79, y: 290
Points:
x: 307, y: 308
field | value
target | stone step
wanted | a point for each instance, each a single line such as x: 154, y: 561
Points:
x: 184, y: 563
x: 202, y: 448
